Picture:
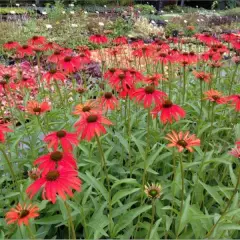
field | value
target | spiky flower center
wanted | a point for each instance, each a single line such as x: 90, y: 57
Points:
x: 215, y: 97
x: 182, y: 143
x: 153, y: 193
x: 167, y: 103
x: 6, y: 76
x: 149, y: 89
x: 112, y: 70
x: 162, y: 54
x: 86, y: 109
x: 82, y: 55
x: 52, y: 175
x: 108, y: 95
x: 25, y: 46
x: 61, y: 134
x: 37, y: 109
x: 68, y: 59
x: 56, y: 156
x: 57, y: 52
x: 35, y: 38
x: 10, y: 42
x: 23, y: 213
x: 24, y: 79
x: 53, y: 71
x: 121, y: 76
x: 92, y: 118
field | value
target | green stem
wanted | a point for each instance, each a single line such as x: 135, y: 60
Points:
x: 226, y: 208
x: 31, y: 235
x: 84, y: 223
x: 184, y: 82
x: 232, y: 80
x: 201, y: 100
x: 152, y: 218
x: 59, y: 92
x: 182, y: 195
x: 71, y: 225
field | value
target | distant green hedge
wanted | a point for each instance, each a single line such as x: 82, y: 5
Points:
x: 8, y: 10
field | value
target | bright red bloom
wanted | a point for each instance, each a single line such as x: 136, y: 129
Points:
x: 137, y: 76
x: 52, y: 160
x: 3, y: 129
x: 51, y: 46
x: 54, y: 75
x: 238, y: 144
x: 235, y: 100
x: 202, y: 76
x: 235, y: 152
x: 56, y: 57
x: 121, y: 80
x: 148, y: 96
x: 63, y: 137
x: 143, y: 51
x: 215, y: 96
x: 37, y: 40
x: 86, y: 108
x: 98, y: 39
x: 36, y: 108
x: 154, y: 80
x: 164, y: 57
x: 11, y: 45
x: 228, y: 37
x: 24, y: 50
x: 26, y: 82
x: 206, y: 38
x: 211, y: 56
x: 91, y: 125
x: 182, y: 141
x: 120, y: 40
x: 109, y: 73
x: 60, y: 181
x: 187, y: 58
x: 236, y: 44
x: 22, y: 214
x: 85, y: 50
x: 108, y: 101
x: 84, y: 58
x: 169, y: 111
x: 70, y: 64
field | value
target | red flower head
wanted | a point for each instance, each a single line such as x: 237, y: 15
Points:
x: 109, y: 73
x: 36, y: 108
x: 215, y: 96
x: 85, y: 50
x: 120, y: 40
x: 56, y: 57
x: 206, y: 38
x: 148, y: 96
x: 98, y: 39
x: 182, y: 141
x: 164, y: 57
x: 154, y: 80
x: 108, y: 101
x: 52, y: 160
x: 211, y: 56
x: 202, y: 76
x: 228, y: 37
x: 235, y: 100
x: 37, y: 40
x: 11, y: 45
x: 137, y: 76
x: 66, y: 140
x: 236, y: 44
x: 236, y: 59
x: 121, y: 79
x: 60, y: 181
x: 84, y: 59
x: 26, y: 82
x: 235, y: 152
x: 169, y: 111
x: 51, y: 46
x: 143, y: 51
x: 86, y: 108
x: 70, y: 64
x: 91, y: 125
x: 21, y: 214
x: 188, y: 58
x: 24, y: 50
x: 4, y: 128
x: 54, y: 75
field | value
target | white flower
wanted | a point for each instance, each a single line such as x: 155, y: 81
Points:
x: 34, y: 5
x: 153, y: 22
x: 182, y: 11
x: 71, y: 5
x: 12, y: 12
x: 48, y: 26
x: 72, y: 12
x: 85, y: 12
x: 63, y: 12
x: 202, y: 20
x: 44, y: 13
x: 101, y: 24
x: 97, y: 12
x: 196, y: 6
x: 106, y: 12
x: 162, y: 11
x: 171, y: 11
x: 166, y: 20
x: 17, y: 4
x: 198, y: 20
x: 105, y: 6
x: 152, y: 11
x: 185, y: 21
x: 74, y: 25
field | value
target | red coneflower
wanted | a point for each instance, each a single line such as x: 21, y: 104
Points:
x: 169, y: 111
x: 84, y: 59
x: 121, y: 79
x: 85, y: 50
x: 109, y: 73
x: 164, y: 57
x: 154, y: 79
x: 63, y: 137
x: 26, y: 82
x: 87, y: 107
x: 215, y: 96
x: 90, y: 125
x: 60, y: 181
x: 228, y: 37
x: 98, y: 39
x: 206, y: 38
x: 148, y: 96
x: 235, y: 152
x: 22, y: 214
x: 120, y: 40
x: 211, y: 56
x: 11, y: 45
x: 3, y: 129
x: 70, y: 64
x: 202, y: 76
x: 37, y: 40
x: 182, y: 141
x: 51, y: 46
x: 143, y: 51
x: 235, y: 100
x: 54, y: 75
x: 56, y: 57
x: 137, y: 76
x: 108, y: 101
x: 24, y: 50
x: 36, y: 108
x: 52, y: 160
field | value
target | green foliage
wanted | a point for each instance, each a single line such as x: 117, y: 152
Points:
x: 120, y: 27
x: 145, y: 8
x: 8, y: 10
x: 232, y: 12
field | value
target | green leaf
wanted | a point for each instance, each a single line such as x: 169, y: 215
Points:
x: 128, y: 218
x: 155, y: 228
x: 10, y: 195
x: 126, y: 180
x: 50, y: 220
x: 123, y: 193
